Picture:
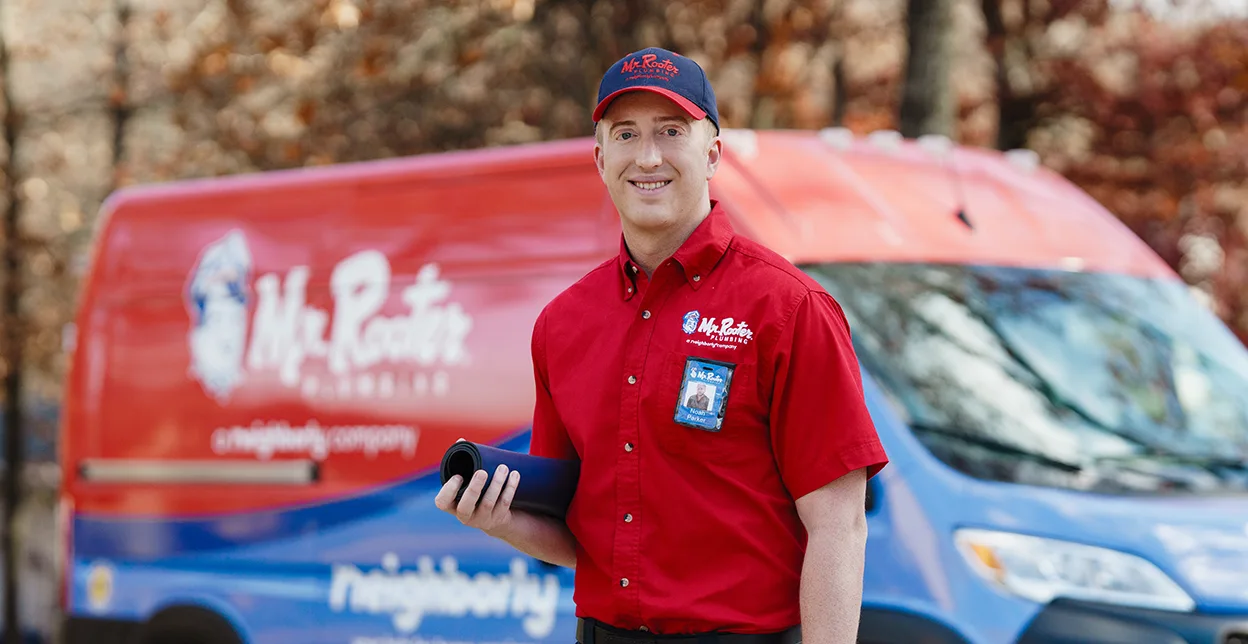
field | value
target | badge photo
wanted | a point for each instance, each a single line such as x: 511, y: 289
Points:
x: 704, y: 393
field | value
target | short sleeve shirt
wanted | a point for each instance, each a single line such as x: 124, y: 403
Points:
x: 684, y: 517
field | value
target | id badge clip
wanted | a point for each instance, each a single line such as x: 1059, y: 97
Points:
x: 704, y: 393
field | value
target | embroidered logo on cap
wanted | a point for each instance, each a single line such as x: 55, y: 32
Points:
x: 650, y: 67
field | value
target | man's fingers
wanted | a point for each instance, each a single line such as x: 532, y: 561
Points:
x: 445, y: 500
x: 496, y: 486
x: 509, y: 491
x: 468, y: 503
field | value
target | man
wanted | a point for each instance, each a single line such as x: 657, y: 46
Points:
x: 741, y: 524
x: 698, y: 399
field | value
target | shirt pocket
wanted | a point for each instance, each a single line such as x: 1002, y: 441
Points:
x: 744, y: 427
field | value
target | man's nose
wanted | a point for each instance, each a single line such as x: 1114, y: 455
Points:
x: 648, y: 154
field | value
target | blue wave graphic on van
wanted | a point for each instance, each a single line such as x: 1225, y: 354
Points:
x: 146, y: 538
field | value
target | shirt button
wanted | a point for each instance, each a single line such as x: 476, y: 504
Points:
x: 643, y: 629
x: 645, y: 315
x: 624, y: 581
x: 628, y: 518
x: 628, y: 447
x: 697, y: 278
x: 630, y: 289
x: 634, y: 267
x: 632, y: 380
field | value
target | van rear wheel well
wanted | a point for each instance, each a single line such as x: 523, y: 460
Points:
x: 188, y: 625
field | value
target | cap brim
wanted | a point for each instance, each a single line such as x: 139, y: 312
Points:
x: 685, y: 104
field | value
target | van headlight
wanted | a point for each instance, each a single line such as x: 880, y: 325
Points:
x: 1041, y: 569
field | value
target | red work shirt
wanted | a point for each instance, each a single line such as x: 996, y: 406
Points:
x: 681, y: 529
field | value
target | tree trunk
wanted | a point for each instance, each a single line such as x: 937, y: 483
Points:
x: 1015, y: 114
x: 762, y: 115
x: 927, y: 97
x: 12, y: 323
x: 840, y: 89
x: 120, y: 98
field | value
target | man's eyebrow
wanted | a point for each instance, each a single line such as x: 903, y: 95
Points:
x: 677, y: 118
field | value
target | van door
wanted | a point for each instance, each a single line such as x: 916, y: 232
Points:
x: 460, y: 267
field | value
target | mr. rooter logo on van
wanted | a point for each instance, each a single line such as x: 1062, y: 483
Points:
x: 346, y: 352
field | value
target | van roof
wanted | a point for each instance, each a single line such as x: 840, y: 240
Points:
x: 830, y: 196
x: 814, y: 196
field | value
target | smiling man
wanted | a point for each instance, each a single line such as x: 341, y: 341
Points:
x: 736, y: 517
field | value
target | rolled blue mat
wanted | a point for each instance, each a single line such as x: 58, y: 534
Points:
x: 546, y: 484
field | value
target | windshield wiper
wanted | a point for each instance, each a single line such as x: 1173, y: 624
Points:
x: 994, y: 445
x: 1206, y: 461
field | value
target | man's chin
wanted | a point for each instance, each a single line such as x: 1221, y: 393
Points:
x: 649, y: 216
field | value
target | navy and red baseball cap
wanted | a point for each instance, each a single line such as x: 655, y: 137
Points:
x: 668, y: 74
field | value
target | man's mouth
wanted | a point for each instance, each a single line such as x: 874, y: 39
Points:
x: 650, y: 185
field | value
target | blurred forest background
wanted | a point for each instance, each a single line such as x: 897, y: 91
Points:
x: 1146, y: 107
x: 1143, y: 104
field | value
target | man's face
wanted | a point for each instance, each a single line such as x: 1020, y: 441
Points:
x: 701, y: 388
x: 655, y: 160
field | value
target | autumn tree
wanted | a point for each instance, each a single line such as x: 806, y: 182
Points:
x: 927, y: 96
x: 1163, y: 115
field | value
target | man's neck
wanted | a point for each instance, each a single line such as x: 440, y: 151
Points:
x: 649, y: 247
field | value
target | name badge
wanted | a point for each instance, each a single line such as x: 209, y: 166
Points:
x: 704, y: 393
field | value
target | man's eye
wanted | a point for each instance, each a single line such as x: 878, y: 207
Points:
x: 624, y: 136
x: 671, y: 131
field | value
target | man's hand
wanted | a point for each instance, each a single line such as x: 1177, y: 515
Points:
x: 493, y: 515
x: 539, y: 537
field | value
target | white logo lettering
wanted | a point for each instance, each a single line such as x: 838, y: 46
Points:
x: 725, y: 331
x: 353, y: 342
x: 409, y: 595
x: 287, y: 331
x: 709, y: 376
x: 267, y: 439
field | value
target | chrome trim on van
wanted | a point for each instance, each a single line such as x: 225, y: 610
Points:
x: 119, y: 470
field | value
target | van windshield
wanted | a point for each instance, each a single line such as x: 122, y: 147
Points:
x: 1080, y: 380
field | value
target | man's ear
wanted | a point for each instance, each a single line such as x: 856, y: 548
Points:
x: 714, y: 151
x: 599, y: 162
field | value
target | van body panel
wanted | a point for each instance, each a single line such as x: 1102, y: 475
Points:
x: 302, y: 357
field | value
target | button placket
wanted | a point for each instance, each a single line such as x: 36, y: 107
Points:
x: 627, y: 545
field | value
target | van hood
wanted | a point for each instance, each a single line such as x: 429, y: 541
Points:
x: 1206, y: 542
x: 1201, y: 542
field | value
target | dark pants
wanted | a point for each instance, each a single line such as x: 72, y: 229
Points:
x: 592, y: 631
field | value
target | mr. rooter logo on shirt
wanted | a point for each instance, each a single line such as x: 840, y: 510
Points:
x: 348, y: 351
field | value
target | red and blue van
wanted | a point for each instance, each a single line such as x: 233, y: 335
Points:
x: 268, y: 368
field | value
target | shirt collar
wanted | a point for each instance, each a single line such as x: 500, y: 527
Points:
x: 628, y: 271
x: 697, y: 256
